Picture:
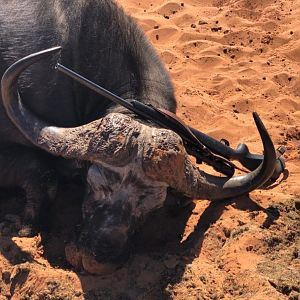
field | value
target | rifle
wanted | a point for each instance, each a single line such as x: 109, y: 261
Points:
x: 203, y: 147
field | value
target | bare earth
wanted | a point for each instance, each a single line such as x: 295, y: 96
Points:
x: 227, y: 58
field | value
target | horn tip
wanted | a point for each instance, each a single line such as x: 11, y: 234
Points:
x: 259, y: 123
x: 45, y: 52
x: 53, y: 49
x: 57, y: 47
x: 255, y: 115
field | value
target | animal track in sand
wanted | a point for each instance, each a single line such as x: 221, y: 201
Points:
x: 149, y: 24
x: 282, y: 79
x: 252, y: 4
x: 169, y: 57
x: 247, y: 37
x: 208, y: 61
x: 165, y: 34
x: 191, y: 36
x: 198, y: 45
x: 296, y: 87
x: 248, y: 14
x: 184, y: 19
x: 294, y: 53
x: 169, y: 8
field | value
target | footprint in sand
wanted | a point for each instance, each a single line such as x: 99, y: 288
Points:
x: 169, y: 57
x: 169, y: 8
x: 254, y: 4
x: 294, y: 54
x: 164, y: 35
x: 149, y: 24
x: 247, y: 14
x: 194, y: 46
x: 209, y: 61
x: 282, y: 79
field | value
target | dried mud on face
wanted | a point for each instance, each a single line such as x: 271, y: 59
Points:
x: 227, y: 58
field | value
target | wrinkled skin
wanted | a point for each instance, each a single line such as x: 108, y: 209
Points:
x: 100, y: 42
x: 130, y: 165
x: 131, y: 191
x: 122, y: 191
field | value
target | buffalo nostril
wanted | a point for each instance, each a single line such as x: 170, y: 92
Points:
x: 106, y: 244
x: 113, y: 239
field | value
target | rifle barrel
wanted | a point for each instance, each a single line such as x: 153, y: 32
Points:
x: 242, y: 154
x: 95, y: 87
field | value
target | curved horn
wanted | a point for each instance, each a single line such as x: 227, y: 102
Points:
x: 82, y: 142
x: 185, y: 177
x: 50, y: 138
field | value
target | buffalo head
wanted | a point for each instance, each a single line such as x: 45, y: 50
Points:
x: 130, y: 167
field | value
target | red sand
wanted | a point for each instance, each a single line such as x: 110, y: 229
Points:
x: 227, y: 58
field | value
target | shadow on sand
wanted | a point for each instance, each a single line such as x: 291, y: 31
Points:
x: 148, y: 272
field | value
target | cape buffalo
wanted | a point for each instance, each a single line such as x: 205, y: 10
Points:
x: 129, y: 165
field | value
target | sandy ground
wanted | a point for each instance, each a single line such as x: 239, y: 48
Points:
x: 227, y: 58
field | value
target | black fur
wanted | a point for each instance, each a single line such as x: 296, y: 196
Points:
x: 100, y: 42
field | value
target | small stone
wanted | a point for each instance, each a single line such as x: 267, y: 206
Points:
x: 249, y: 248
x: 201, y: 22
x: 78, y: 293
x: 216, y: 29
x: 193, y: 25
x: 227, y: 232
